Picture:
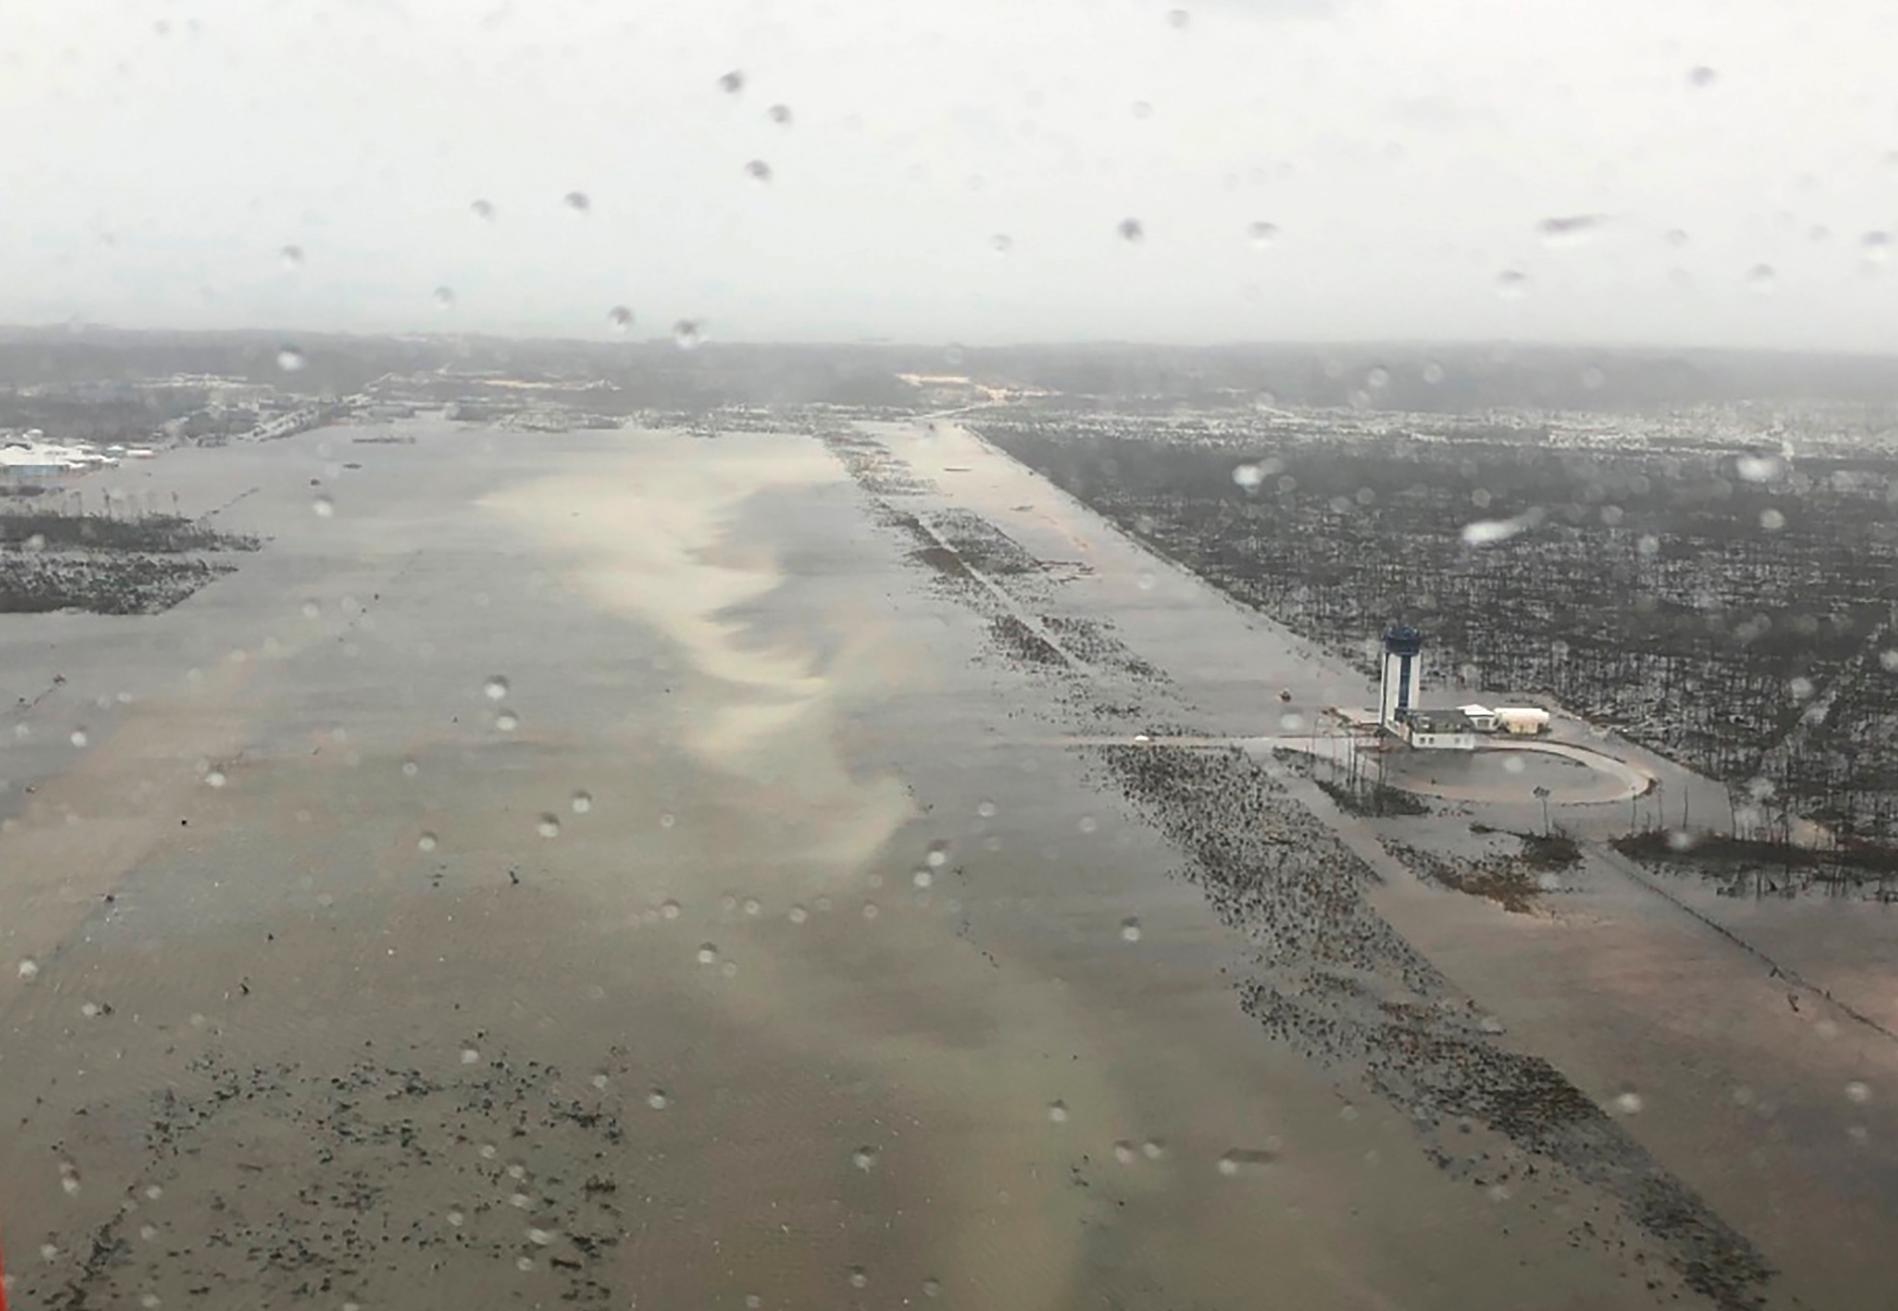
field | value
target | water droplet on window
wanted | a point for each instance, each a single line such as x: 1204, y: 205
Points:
x: 758, y: 171
x: 469, y: 1056
x: 1141, y: 109
x: 620, y: 318
x: 496, y: 688
x: 1087, y: 824
x: 871, y: 910
x: 1178, y: 19
x: 1432, y: 372
x: 797, y: 915
x: 1487, y: 532
x: 582, y: 802
x: 290, y: 359
x: 667, y: 819
x: 1130, y: 230
x: 48, y: 1252
x: 669, y: 909
x: 577, y: 201
x: 1761, y: 278
x: 1130, y: 929
x: 708, y: 954
x: 922, y: 878
x: 292, y: 257
x: 1628, y: 1103
x: 444, y: 297
x: 1001, y: 243
x: 1058, y: 1112
x: 1772, y: 520
x: 731, y: 83
x: 1248, y: 476
x: 685, y: 334
x: 482, y: 209
x: 78, y: 737
x: 214, y: 778
x: 540, y: 1237
x: 1262, y: 234
x: 1875, y: 246
x: 858, y: 1276
x: 322, y: 506
x: 1244, y: 1158
x: 932, y: 1288
x: 427, y: 842
x: 507, y: 721
x: 547, y: 826
x: 1512, y: 284
x: 1801, y: 688
x: 1758, y: 468
x: 1858, y: 1091
x: 780, y: 114
x: 986, y: 809
x: 523, y: 1263
x: 29, y: 970
x: 864, y: 1158
x: 1701, y: 76
x: 752, y: 906
x: 1569, y: 229
x: 657, y: 1099
x: 149, y: 1300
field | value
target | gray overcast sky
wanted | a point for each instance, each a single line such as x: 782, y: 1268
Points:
x: 160, y: 158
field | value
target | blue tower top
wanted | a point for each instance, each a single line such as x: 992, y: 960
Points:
x: 1402, y: 639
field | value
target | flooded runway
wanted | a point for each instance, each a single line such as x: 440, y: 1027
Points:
x: 631, y: 869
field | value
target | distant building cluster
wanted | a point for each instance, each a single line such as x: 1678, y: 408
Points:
x: 28, y: 456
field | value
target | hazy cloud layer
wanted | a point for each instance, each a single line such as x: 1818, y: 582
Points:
x: 1694, y: 173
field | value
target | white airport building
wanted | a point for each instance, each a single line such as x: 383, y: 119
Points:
x: 1401, y: 714
x: 1524, y: 721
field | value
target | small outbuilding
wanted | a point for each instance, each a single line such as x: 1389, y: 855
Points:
x: 1438, y: 730
x: 1481, y: 717
x: 1525, y: 721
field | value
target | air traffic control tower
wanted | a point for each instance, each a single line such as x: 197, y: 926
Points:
x: 1402, y: 677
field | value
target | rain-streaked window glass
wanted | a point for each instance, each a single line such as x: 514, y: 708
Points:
x: 766, y: 655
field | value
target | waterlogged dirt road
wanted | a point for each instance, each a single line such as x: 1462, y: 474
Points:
x: 630, y: 869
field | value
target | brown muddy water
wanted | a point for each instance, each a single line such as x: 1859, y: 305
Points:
x: 625, y: 869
